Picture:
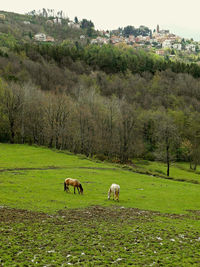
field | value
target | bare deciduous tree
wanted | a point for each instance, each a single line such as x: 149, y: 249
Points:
x: 167, y: 137
x: 12, y: 98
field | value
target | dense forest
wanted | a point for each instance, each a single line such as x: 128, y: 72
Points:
x: 108, y: 102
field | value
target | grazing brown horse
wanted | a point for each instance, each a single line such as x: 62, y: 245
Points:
x: 73, y: 182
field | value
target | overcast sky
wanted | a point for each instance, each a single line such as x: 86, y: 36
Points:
x: 179, y: 16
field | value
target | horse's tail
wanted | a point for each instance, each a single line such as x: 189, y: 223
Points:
x: 65, y: 186
x: 81, y: 188
x: 117, y: 193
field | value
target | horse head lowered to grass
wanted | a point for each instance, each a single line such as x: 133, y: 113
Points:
x: 73, y: 182
x: 114, y: 189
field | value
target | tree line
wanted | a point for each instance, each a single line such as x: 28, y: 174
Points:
x: 114, y: 128
x: 107, y: 58
x: 75, y: 98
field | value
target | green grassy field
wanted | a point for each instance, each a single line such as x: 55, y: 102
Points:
x: 179, y: 170
x: 32, y: 178
x: 156, y: 221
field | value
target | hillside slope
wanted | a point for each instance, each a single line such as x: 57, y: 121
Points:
x: 20, y: 28
x: 32, y: 178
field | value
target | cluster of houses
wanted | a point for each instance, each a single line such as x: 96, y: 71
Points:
x: 115, y: 39
x: 42, y: 37
x: 2, y: 17
x: 159, y: 39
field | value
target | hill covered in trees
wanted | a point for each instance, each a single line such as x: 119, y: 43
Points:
x: 109, y: 102
x: 17, y: 28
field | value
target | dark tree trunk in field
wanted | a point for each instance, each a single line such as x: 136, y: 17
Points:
x: 167, y: 168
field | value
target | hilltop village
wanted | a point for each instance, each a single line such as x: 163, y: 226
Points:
x: 55, y: 27
x: 159, y: 40
x: 162, y: 42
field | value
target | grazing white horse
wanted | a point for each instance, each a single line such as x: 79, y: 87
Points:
x: 114, y: 189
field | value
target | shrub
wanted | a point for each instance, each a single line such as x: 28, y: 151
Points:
x: 101, y: 157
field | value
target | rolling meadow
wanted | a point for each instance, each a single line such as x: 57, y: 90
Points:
x: 155, y: 222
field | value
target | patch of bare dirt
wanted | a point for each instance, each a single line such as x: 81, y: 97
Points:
x: 94, y: 213
x: 120, y: 213
x: 19, y: 215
